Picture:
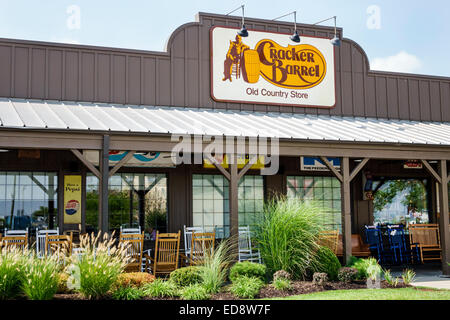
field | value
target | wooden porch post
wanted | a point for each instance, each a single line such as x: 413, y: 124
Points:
x: 444, y: 218
x: 234, y: 203
x: 103, y: 211
x: 346, y: 210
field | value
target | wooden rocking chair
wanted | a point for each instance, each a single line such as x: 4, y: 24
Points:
x: 56, y: 244
x: 201, y: 245
x: 329, y: 239
x: 135, y: 243
x: 426, y: 236
x: 167, y: 250
x: 20, y: 242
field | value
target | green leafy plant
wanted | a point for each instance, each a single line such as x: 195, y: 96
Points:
x: 128, y: 293
x: 246, y: 287
x: 12, y: 272
x: 287, y: 235
x: 373, y: 269
x: 347, y: 274
x: 248, y: 269
x: 161, y: 288
x: 41, y: 278
x: 282, y: 284
x: 94, y: 272
x: 134, y: 279
x: 391, y: 280
x: 215, y: 266
x: 366, y: 266
x: 187, y: 276
x: 352, y: 260
x: 408, y: 276
x: 328, y: 263
x: 194, y: 292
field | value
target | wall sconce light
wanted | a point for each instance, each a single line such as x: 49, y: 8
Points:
x: 243, y: 32
x: 295, y: 37
x: 335, y: 41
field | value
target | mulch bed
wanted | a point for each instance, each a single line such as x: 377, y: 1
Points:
x: 297, y: 288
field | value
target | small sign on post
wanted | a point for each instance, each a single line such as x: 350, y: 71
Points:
x: 72, y: 199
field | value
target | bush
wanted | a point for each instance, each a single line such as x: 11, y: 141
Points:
x: 134, y: 279
x: 215, y: 267
x: 366, y: 266
x: 128, y: 293
x: 160, y: 288
x: 248, y: 269
x: 12, y: 272
x: 41, y: 278
x: 184, y: 277
x: 281, y: 284
x: 352, y: 260
x: 281, y: 274
x: 246, y: 287
x: 95, y: 271
x: 287, y: 235
x: 347, y: 274
x: 194, y: 292
x: 328, y: 263
x: 320, y: 278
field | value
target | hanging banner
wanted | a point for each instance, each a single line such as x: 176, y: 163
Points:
x: 72, y: 199
x: 315, y: 164
x: 241, y: 162
x: 412, y: 164
x: 141, y: 159
x: 268, y: 68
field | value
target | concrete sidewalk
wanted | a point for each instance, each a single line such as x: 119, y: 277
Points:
x: 427, y: 276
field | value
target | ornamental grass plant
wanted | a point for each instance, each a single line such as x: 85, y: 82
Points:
x: 12, y: 272
x: 287, y: 235
x: 41, y: 278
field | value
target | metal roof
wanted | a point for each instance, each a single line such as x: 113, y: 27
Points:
x: 48, y: 115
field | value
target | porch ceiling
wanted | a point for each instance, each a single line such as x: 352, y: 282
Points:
x: 81, y: 117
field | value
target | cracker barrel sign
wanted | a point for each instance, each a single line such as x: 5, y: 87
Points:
x: 269, y: 68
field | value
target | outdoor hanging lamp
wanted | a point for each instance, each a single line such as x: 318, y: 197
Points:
x: 335, y: 41
x: 295, y: 37
x: 243, y: 32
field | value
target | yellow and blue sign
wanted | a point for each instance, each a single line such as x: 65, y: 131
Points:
x: 72, y: 199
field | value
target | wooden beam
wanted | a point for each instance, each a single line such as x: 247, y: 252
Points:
x: 358, y: 168
x: 122, y: 162
x: 234, y: 202
x: 432, y: 171
x: 444, y: 219
x: 218, y: 166
x: 103, y: 187
x: 248, y: 165
x: 86, y: 162
x: 346, y: 210
x: 332, y: 168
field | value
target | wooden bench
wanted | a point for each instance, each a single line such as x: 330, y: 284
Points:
x: 359, y: 248
x: 428, y: 239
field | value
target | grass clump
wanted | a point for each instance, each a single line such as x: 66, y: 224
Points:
x: 246, y: 287
x: 160, y: 289
x: 41, y: 278
x: 12, y: 272
x: 249, y: 269
x: 282, y: 284
x: 390, y: 279
x: 128, y: 293
x: 287, y: 235
x: 408, y: 276
x: 194, y: 292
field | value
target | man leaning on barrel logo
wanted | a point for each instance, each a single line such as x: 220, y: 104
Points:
x: 234, y: 53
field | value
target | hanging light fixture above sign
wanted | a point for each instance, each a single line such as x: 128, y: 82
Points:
x: 295, y: 36
x: 243, y: 32
x: 335, y: 41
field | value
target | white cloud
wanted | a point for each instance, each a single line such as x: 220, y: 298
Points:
x: 401, y: 62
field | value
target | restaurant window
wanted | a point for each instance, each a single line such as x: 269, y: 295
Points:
x: 135, y: 199
x: 324, y: 191
x: 400, y: 201
x: 28, y: 200
x: 210, y: 204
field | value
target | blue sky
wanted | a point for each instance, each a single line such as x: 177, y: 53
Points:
x: 408, y: 36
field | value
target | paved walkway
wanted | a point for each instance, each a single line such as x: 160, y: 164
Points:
x: 427, y: 276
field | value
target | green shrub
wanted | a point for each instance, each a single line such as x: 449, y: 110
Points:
x: 12, y: 272
x: 160, y: 289
x: 248, y: 269
x: 246, y: 287
x: 184, y: 277
x: 364, y: 266
x: 41, y: 278
x: 408, y: 276
x: 328, y: 263
x: 352, y: 260
x: 287, y: 235
x: 128, y: 293
x: 215, y: 266
x: 393, y: 282
x: 95, y: 271
x: 282, y: 284
x: 194, y: 292
x: 347, y: 274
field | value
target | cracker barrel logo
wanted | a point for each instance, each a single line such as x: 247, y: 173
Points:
x: 72, y: 207
x: 294, y: 67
